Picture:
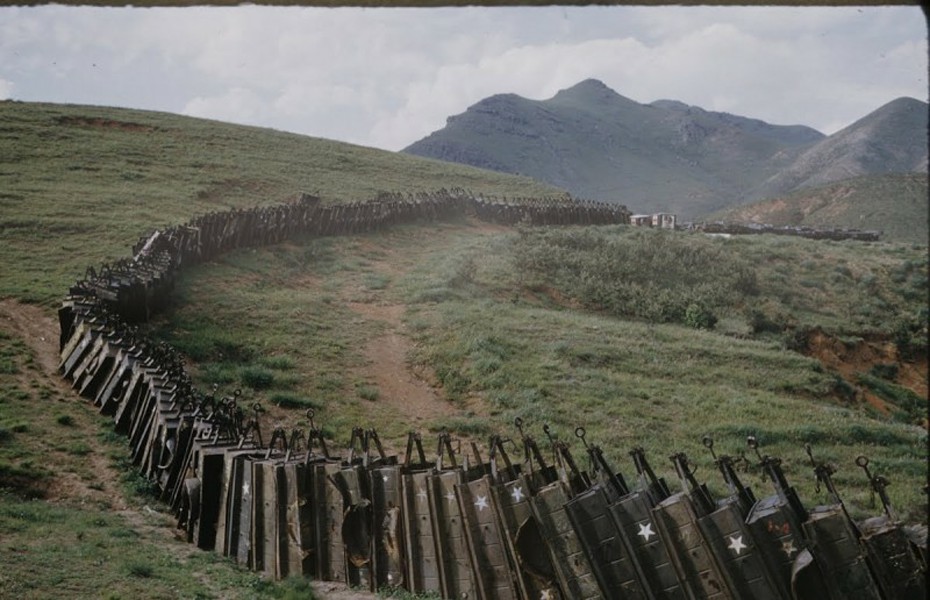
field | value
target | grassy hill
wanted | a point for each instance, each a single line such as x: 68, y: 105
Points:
x: 896, y: 204
x: 890, y: 139
x: 588, y: 139
x: 670, y: 157
x: 79, y: 185
x: 643, y: 337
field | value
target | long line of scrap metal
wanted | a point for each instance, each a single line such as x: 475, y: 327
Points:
x: 455, y: 522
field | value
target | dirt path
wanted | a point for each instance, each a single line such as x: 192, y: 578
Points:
x: 403, y: 388
x: 38, y: 329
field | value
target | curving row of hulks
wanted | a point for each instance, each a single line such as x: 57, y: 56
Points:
x: 814, y: 233
x: 516, y: 520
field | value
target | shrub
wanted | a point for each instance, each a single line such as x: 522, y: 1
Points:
x: 699, y: 316
x: 66, y: 420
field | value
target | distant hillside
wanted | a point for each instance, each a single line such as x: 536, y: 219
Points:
x: 892, y: 139
x: 896, y: 204
x: 667, y: 155
x: 76, y: 173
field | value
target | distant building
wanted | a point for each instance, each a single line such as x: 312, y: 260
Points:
x: 659, y: 220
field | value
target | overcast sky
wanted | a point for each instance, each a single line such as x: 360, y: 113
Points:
x: 386, y: 77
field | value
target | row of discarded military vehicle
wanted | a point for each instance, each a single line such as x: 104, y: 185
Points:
x: 455, y: 523
x: 814, y: 233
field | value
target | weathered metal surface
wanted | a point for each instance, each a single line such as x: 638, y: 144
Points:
x: 571, y: 565
x: 492, y: 569
x: 388, y: 521
x: 423, y: 568
x: 449, y: 532
x: 497, y: 531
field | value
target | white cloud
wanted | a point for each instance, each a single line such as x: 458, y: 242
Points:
x: 387, y: 77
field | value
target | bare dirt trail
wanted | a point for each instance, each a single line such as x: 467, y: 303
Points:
x: 406, y: 389
x: 38, y: 329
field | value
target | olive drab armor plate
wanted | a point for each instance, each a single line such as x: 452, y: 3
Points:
x: 388, y: 526
x: 449, y: 533
x: 778, y: 535
x: 607, y: 551
x: 422, y: 553
x: 356, y: 525
x: 568, y: 558
x: 737, y: 553
x: 894, y: 562
x: 231, y: 492
x: 677, y: 520
x: 838, y: 557
x: 491, y: 565
x: 329, y: 518
x: 263, y: 533
x: 536, y: 575
x: 210, y: 472
x: 294, y: 542
x: 633, y: 516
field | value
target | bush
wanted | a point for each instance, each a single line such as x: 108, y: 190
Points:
x: 66, y: 420
x: 699, y: 316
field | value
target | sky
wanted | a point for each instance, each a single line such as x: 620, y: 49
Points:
x: 387, y: 77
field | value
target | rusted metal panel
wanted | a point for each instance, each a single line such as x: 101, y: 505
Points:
x: 894, y: 562
x: 421, y: 550
x: 737, y: 552
x: 299, y: 521
x: 610, y: 558
x: 330, y: 564
x: 839, y: 558
x: 536, y: 576
x: 492, y: 569
x: 449, y: 532
x: 571, y: 565
x: 632, y: 514
x: 356, y: 525
x: 388, y: 532
x: 676, y: 518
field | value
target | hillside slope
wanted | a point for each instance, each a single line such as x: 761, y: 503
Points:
x: 896, y: 204
x: 89, y: 181
x: 892, y: 139
x: 667, y: 155
x: 599, y: 144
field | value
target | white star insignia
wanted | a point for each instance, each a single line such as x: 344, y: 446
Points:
x: 788, y: 548
x: 245, y: 489
x: 386, y: 478
x: 482, y: 503
x: 645, y: 531
x: 546, y: 595
x: 736, y: 544
x: 421, y: 493
x: 517, y: 493
x: 450, y: 497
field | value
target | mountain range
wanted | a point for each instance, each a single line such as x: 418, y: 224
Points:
x: 667, y: 155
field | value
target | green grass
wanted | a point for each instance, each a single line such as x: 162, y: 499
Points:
x: 893, y: 203
x: 500, y: 341
x: 80, y: 186
x: 493, y: 334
